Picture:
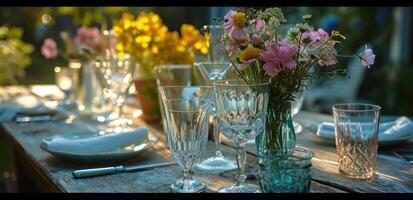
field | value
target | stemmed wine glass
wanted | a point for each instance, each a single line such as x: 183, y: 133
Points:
x: 216, y: 163
x: 66, y: 79
x: 117, y: 73
x: 187, y: 138
x: 241, y: 112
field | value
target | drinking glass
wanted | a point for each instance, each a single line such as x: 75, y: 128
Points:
x: 172, y: 75
x: 117, y: 73
x: 66, y: 79
x: 217, y: 162
x: 216, y: 52
x: 187, y: 138
x: 356, y: 127
x: 296, y: 107
x: 241, y: 112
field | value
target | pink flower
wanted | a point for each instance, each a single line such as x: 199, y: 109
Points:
x: 278, y: 57
x: 256, y: 39
x: 323, y: 35
x: 233, y: 45
x: 234, y: 25
x: 312, y: 36
x: 260, y: 25
x: 367, y: 57
x: 315, y: 36
x: 90, y: 37
x: 49, y: 48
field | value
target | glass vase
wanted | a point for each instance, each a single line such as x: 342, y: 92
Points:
x: 91, y: 92
x: 278, y: 139
x: 287, y: 174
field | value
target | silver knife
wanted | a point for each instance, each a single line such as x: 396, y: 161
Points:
x: 38, y: 118
x: 117, y: 169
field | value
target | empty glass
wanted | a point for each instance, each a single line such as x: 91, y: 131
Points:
x: 66, y: 80
x: 241, y: 112
x: 172, y: 75
x: 217, y: 163
x: 296, y: 107
x: 187, y: 138
x: 117, y: 73
x: 356, y: 127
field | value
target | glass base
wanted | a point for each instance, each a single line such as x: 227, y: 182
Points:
x: 241, y: 188
x: 187, y: 186
x: 297, y: 127
x: 216, y: 164
x: 366, y: 176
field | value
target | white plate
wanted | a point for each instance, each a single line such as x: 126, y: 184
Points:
x: 382, y: 143
x: 115, y: 155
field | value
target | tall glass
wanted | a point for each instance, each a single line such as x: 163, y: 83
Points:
x: 172, y: 75
x: 356, y: 127
x: 216, y: 163
x: 241, y: 112
x: 187, y: 138
x: 66, y: 80
x: 117, y: 73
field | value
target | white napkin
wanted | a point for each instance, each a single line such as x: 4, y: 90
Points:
x: 401, y: 128
x: 8, y: 111
x: 98, y: 144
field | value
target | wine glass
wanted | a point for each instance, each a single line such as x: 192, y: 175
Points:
x: 216, y: 163
x: 117, y: 73
x: 187, y: 138
x: 241, y: 112
x: 66, y: 79
x: 172, y: 75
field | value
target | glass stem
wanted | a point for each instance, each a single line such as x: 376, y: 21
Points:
x: 187, y: 174
x: 241, y: 158
x: 117, y: 109
x: 217, y: 139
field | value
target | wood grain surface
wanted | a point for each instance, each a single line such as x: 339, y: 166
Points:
x: 52, y: 174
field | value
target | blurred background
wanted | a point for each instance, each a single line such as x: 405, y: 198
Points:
x: 389, y: 83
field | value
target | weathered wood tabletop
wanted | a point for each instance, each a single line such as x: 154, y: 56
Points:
x: 37, y: 169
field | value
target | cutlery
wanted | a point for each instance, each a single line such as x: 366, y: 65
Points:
x: 38, y: 118
x: 117, y: 169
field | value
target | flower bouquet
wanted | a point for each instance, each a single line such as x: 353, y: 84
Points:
x: 261, y: 52
x: 150, y: 43
x: 81, y: 51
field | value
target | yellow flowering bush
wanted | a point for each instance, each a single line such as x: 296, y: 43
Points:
x: 150, y: 42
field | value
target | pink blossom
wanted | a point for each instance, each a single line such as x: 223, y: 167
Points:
x: 323, y: 35
x: 260, y: 25
x: 49, y: 48
x: 234, y: 45
x: 315, y: 36
x: 256, y: 39
x: 278, y: 57
x: 239, y: 33
x: 367, y: 58
x: 90, y: 37
x: 244, y: 64
x: 312, y: 36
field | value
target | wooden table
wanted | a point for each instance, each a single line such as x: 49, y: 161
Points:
x: 37, y: 170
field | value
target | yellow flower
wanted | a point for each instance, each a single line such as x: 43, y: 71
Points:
x: 148, y: 40
x: 239, y: 19
x: 249, y: 53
